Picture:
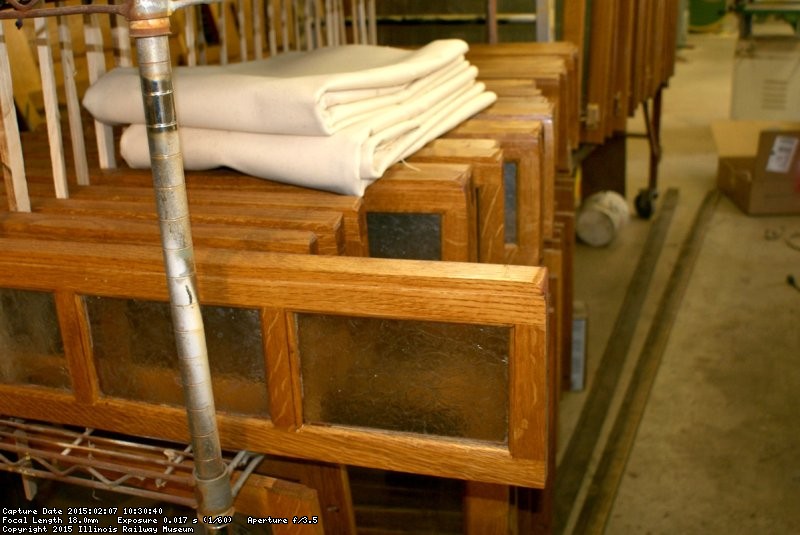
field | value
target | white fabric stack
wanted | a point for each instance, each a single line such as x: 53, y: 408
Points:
x: 333, y: 118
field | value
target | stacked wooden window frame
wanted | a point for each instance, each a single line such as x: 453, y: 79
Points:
x: 280, y: 287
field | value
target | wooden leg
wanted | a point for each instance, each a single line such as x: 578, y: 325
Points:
x: 535, y: 511
x: 331, y: 483
x: 487, y: 509
x: 268, y: 501
x: 535, y: 507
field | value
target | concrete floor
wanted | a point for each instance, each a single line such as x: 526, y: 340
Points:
x: 716, y: 450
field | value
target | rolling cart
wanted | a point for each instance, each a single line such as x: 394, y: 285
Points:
x: 646, y: 198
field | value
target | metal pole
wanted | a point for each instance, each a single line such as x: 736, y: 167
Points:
x: 150, y: 27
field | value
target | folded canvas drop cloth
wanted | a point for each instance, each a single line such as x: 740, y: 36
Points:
x: 345, y: 162
x: 314, y: 93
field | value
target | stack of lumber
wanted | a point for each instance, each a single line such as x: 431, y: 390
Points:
x: 491, y: 190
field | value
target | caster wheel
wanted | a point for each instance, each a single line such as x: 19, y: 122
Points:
x: 645, y: 203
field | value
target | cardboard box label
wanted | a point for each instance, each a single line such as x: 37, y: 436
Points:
x: 782, y: 154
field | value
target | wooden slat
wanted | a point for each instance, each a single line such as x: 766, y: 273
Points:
x: 373, y: 26
x: 472, y: 461
x: 526, y: 437
x: 241, y: 26
x: 93, y: 229
x: 283, y: 375
x: 122, y: 41
x: 10, y: 146
x: 206, y: 190
x: 285, y: 41
x: 222, y: 14
x: 229, y: 188
x: 297, y: 37
x: 330, y: 26
x: 256, y: 10
x: 340, y: 15
x: 271, y: 22
x: 190, y: 35
x: 26, y: 81
x: 318, y: 22
x: 74, y: 331
x: 327, y: 226
x: 308, y: 24
x: 384, y: 287
x: 96, y: 62
x: 362, y: 22
x: 351, y: 208
x: 59, y: 168
x: 513, y: 87
x: 491, y: 22
x: 73, y: 106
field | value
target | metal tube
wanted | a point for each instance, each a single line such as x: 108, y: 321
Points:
x: 152, y: 47
x: 132, y: 491
x: 249, y: 469
x: 66, y: 464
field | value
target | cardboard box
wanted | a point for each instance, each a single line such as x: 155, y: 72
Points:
x: 759, y: 165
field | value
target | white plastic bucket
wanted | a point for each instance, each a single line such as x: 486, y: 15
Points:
x: 601, y: 217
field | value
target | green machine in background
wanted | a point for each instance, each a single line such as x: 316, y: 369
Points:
x: 706, y: 15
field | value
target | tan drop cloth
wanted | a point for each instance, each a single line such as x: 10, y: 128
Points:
x: 334, y: 118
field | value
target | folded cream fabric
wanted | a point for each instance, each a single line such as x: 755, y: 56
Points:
x: 345, y: 162
x: 334, y: 118
x: 313, y: 93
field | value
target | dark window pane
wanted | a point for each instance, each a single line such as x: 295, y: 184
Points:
x: 408, y: 236
x: 510, y: 172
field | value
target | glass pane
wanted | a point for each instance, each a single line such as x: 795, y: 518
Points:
x: 510, y: 183
x: 422, y: 377
x: 134, y: 350
x: 31, y: 350
x: 408, y: 236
